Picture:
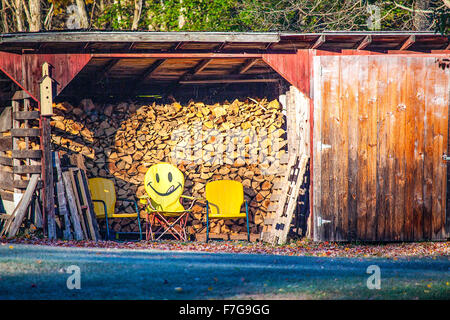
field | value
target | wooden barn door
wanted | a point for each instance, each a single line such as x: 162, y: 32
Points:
x: 380, y: 131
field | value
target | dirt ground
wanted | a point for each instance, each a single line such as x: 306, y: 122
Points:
x: 42, y: 272
x: 294, y: 248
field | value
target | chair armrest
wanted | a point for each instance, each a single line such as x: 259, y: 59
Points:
x: 143, y: 199
x: 190, y: 198
x: 104, y: 205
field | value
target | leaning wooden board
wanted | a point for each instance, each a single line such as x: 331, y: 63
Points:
x: 22, y: 207
x: 75, y: 213
x: 62, y: 202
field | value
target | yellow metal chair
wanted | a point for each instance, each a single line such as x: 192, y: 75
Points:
x: 164, y: 184
x: 224, y: 199
x: 104, y: 198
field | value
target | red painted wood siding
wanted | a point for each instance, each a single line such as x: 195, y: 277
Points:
x: 26, y: 69
x: 296, y: 68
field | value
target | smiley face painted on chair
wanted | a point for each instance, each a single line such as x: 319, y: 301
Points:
x: 164, y: 183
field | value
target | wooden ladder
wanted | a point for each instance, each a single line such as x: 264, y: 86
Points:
x: 19, y: 129
x: 284, y: 200
x: 25, y: 161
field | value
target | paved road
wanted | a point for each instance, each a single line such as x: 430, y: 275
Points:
x: 40, y: 272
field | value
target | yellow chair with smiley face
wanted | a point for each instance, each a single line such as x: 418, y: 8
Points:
x: 164, y: 184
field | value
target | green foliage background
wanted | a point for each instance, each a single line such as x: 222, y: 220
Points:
x: 248, y: 15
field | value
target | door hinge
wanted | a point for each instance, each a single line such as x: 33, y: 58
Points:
x: 321, y: 221
x: 445, y: 157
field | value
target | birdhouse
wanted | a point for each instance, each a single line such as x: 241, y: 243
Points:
x: 46, y: 91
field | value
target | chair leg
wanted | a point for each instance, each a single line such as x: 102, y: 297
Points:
x: 207, y: 222
x: 139, y: 220
x: 248, y: 228
x: 107, y: 227
x: 139, y: 224
x: 169, y: 226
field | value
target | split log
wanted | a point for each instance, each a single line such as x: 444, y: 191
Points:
x: 121, y: 141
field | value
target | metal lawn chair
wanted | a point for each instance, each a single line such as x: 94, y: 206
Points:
x: 104, y: 198
x: 164, y: 184
x: 224, y: 199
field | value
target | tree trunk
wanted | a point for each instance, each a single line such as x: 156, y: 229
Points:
x: 82, y: 13
x: 5, y: 28
x: 19, y: 15
x: 35, y: 15
x: 181, y: 19
x: 421, y: 19
x: 137, y: 14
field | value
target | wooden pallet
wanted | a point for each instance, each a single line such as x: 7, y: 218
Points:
x: 283, y: 201
x: 276, y: 195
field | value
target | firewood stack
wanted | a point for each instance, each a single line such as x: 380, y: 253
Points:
x: 122, y: 141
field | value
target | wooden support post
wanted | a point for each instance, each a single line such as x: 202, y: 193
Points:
x: 16, y: 162
x: 47, y: 166
x: 47, y: 178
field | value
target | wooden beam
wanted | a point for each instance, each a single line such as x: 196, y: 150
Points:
x: 247, y: 65
x: 20, y: 95
x: 124, y: 36
x: 150, y: 70
x: 184, y: 77
x: 221, y: 46
x: 25, y: 132
x: 177, y: 46
x: 22, y: 184
x: 175, y: 55
x: 86, y: 46
x: 212, y: 81
x: 367, y: 40
x: 201, y: 66
x: 408, y: 42
x: 24, y: 154
x: 106, y: 68
x: 269, y: 45
x: 27, y: 169
x: 5, y: 161
x: 320, y: 41
x: 26, y: 115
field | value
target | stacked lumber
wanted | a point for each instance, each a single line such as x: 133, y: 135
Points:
x: 121, y: 141
x: 74, y: 217
x: 75, y: 210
